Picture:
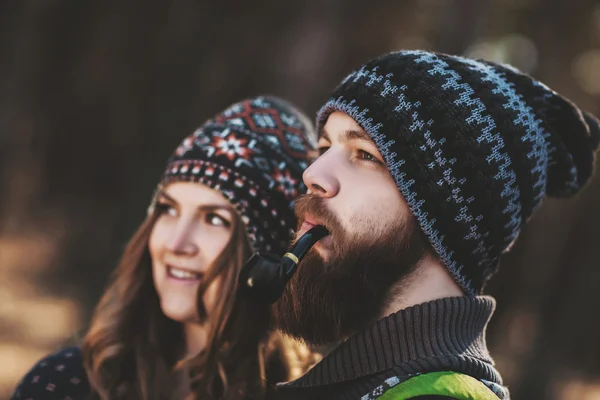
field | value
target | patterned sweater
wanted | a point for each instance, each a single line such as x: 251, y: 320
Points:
x: 441, y: 335
x: 60, y: 376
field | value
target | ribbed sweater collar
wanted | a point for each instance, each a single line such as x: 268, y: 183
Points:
x: 448, y: 333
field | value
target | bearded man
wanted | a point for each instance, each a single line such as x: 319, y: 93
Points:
x: 430, y: 165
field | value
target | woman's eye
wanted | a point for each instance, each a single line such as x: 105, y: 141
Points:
x: 217, y: 220
x: 164, y: 208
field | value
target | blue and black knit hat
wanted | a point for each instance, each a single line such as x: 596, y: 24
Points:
x: 473, y: 146
x: 254, y: 153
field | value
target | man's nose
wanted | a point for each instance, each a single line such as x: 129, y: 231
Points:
x: 320, y: 178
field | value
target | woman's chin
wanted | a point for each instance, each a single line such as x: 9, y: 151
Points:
x: 180, y: 313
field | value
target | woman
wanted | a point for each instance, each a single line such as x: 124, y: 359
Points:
x: 164, y: 327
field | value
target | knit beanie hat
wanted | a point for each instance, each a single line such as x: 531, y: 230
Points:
x: 473, y: 147
x: 254, y: 153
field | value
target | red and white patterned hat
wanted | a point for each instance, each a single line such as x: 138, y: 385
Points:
x: 254, y: 152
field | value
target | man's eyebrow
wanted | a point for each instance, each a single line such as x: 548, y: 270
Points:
x: 353, y: 134
x: 325, y: 135
x: 350, y: 134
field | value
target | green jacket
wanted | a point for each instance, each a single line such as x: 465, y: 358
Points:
x: 444, y: 385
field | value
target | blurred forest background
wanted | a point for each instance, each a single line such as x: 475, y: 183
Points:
x: 94, y: 96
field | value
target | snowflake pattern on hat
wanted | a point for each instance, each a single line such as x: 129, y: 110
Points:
x: 232, y: 146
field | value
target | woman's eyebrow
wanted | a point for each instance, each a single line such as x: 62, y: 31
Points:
x: 203, y: 207
x: 163, y: 194
x: 215, y: 207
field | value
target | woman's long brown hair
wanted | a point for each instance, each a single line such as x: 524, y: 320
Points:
x: 132, y: 350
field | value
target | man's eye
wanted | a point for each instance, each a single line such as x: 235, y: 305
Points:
x: 323, y: 149
x: 367, y: 156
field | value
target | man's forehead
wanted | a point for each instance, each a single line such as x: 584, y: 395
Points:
x: 341, y: 127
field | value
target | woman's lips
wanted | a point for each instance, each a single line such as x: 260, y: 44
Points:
x: 183, y: 275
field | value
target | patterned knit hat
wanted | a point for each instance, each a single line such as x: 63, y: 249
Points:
x: 254, y: 153
x: 473, y: 147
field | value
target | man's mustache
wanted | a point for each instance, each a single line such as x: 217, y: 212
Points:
x: 313, y: 205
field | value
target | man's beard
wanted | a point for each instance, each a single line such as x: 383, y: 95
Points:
x: 329, y: 300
